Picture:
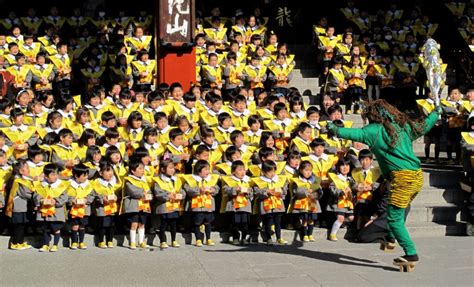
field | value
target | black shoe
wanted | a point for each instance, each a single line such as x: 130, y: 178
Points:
x: 406, y: 259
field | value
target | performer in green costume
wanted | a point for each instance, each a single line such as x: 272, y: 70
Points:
x: 389, y: 135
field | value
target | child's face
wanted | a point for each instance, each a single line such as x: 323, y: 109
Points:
x: 294, y: 162
x: 216, y: 107
x: 366, y: 162
x: 18, y: 120
x: 177, y: 94
x: 200, y: 41
x: 335, y: 116
x: 52, y: 177
x: 139, y: 171
x: 297, y: 108
x: 155, y: 104
x: 84, y: 118
x: 344, y: 169
x: 125, y: 101
x: 227, y: 123
x: 204, y: 172
x: 91, y: 141
x: 115, y: 158
x: 37, y: 109
x: 281, y: 115
x: 81, y: 179
x: 23, y: 99
x: 239, y: 141
x: 271, y: 157
x: 162, y: 123
x: 236, y: 156
x: 240, y: 106
x: 178, y: 141
x: 270, y: 173
x: 2, y: 141
x: 146, y: 160
x: 213, y: 61
x: 305, y: 134
x: 151, y: 139
x: 239, y: 172
x: 470, y: 96
x: 208, y: 140
x: 56, y: 123
x: 330, y: 31
x: 255, y: 126
x: 38, y: 158
x: 110, y: 123
x: 203, y: 156
x: 455, y: 95
x: 66, y: 140
x: 170, y: 170
x: 183, y: 126
x: 112, y: 141
x: 307, y: 171
x: 318, y: 150
x: 190, y: 104
x: 136, y: 124
x: 270, y: 142
x: 94, y: 101
x: 3, y: 160
x: 96, y: 157
x: 314, y: 118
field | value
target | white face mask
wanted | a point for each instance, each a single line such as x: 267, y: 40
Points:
x: 313, y: 123
x: 388, y: 37
x: 101, y: 14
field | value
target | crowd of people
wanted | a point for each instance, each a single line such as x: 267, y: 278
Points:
x: 240, y: 150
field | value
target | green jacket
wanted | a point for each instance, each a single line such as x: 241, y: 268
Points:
x: 400, y: 157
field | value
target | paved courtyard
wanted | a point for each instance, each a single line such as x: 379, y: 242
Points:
x: 444, y: 261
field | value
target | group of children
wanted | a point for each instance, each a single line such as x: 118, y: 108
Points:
x: 189, y: 159
x: 76, y: 52
x: 375, y: 56
x: 241, y: 52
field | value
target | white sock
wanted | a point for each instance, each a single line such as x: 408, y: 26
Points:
x: 133, y: 236
x: 141, y: 235
x: 336, y: 226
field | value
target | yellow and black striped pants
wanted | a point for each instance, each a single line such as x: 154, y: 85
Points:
x: 404, y: 186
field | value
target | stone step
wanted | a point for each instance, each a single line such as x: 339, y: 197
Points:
x: 417, y: 230
x: 305, y: 73
x: 313, y: 82
x: 431, y: 195
x: 439, y: 213
x: 442, y: 178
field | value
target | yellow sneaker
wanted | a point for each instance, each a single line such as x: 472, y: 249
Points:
x: 54, y: 248
x: 305, y: 238
x: 332, y: 237
x: 348, y: 112
x: 144, y: 245
x: 209, y: 242
x: 163, y: 245
x: 359, y: 112
x: 74, y: 246
x: 282, y: 241
x: 175, y: 244
x: 82, y: 246
x: 25, y: 245
x: 199, y: 243
x: 110, y: 244
x: 311, y: 238
x: 102, y: 245
x: 133, y: 245
x: 16, y: 247
x: 44, y: 248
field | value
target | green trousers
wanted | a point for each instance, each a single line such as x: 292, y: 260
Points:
x: 398, y: 230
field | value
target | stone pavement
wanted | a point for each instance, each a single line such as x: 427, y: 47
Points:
x: 444, y: 261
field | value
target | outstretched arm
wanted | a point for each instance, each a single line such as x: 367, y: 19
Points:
x: 364, y: 135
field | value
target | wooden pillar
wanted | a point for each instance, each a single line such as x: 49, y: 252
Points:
x: 175, y: 48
